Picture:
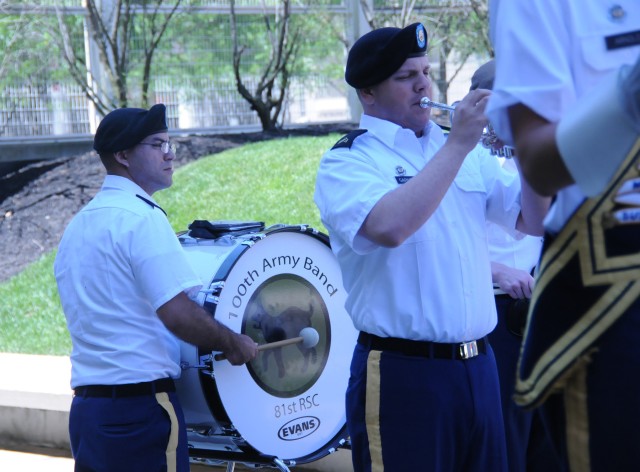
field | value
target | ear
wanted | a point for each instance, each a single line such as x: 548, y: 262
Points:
x: 121, y: 158
x: 367, y: 96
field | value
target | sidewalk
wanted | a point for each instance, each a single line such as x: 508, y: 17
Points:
x: 54, y: 460
x: 35, y: 398
x: 36, y: 460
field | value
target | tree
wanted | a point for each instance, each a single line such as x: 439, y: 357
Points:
x: 459, y: 33
x: 399, y: 15
x: 25, y: 58
x: 458, y: 29
x: 270, y: 91
x: 111, y: 26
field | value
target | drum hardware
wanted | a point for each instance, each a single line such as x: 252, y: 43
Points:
x: 207, y: 359
x: 309, y: 337
x: 187, y: 237
x: 211, y: 294
x: 275, y: 463
x: 279, y: 226
x: 205, y: 367
x: 215, y: 229
x: 260, y: 283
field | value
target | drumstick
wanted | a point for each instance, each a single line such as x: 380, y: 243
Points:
x: 308, y: 336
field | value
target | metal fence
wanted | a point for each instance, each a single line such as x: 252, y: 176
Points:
x: 62, y: 109
x: 217, y: 104
x: 20, y: 5
x: 41, y: 110
x: 40, y: 107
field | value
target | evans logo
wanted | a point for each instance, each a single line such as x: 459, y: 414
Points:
x: 299, y: 428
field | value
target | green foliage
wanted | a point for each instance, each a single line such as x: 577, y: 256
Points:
x: 271, y: 181
x: 30, y: 52
x: 31, y: 320
x: 461, y: 29
x: 196, y: 45
x: 199, y: 46
x: 321, y: 50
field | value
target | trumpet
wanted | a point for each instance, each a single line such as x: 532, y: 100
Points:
x: 426, y: 102
x: 489, y: 139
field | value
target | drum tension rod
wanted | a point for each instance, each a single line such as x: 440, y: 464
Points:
x: 208, y: 364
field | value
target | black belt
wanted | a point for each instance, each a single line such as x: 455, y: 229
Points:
x: 430, y: 349
x: 126, y: 390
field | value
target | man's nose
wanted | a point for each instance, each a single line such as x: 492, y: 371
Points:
x: 424, y: 82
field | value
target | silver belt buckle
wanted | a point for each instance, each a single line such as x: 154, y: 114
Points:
x: 468, y: 350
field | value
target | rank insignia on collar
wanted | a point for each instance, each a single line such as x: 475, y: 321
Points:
x: 347, y: 140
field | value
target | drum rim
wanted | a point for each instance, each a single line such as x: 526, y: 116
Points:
x: 212, y: 397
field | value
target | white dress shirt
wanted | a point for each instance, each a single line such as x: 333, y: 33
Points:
x: 436, y: 286
x: 513, y: 249
x: 548, y: 65
x: 118, y: 261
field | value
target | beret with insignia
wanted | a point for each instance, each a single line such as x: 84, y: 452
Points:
x: 125, y: 127
x: 379, y: 53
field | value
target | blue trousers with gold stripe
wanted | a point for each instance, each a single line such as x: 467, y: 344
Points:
x: 595, y: 417
x: 409, y: 413
x: 142, y: 433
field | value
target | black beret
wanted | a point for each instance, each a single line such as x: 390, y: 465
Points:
x: 483, y: 77
x: 379, y: 53
x: 125, y: 127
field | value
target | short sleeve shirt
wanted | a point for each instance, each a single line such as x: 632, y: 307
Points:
x: 516, y: 250
x: 551, y: 53
x: 119, y: 261
x: 436, y: 286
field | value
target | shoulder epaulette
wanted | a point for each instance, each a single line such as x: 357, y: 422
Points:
x: 347, y: 140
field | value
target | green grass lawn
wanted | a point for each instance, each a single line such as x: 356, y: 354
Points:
x: 271, y: 181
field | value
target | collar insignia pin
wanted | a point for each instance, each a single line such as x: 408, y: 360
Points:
x: 617, y: 13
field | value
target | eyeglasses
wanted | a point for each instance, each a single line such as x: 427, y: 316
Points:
x: 164, y: 146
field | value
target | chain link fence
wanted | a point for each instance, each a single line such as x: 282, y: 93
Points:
x: 196, y: 80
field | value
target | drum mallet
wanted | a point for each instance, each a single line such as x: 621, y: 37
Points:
x: 309, y: 337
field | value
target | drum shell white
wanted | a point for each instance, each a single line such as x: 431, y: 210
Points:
x: 288, y: 403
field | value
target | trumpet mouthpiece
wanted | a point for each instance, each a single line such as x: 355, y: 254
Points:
x: 426, y: 102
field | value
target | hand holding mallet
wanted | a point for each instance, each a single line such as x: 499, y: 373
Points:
x: 308, y: 336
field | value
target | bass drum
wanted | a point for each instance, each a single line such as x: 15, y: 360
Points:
x: 288, y: 403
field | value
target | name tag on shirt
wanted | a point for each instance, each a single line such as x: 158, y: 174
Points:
x: 403, y: 179
x: 622, y: 40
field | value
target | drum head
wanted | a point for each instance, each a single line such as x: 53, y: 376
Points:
x: 289, y: 401
x: 280, y: 308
